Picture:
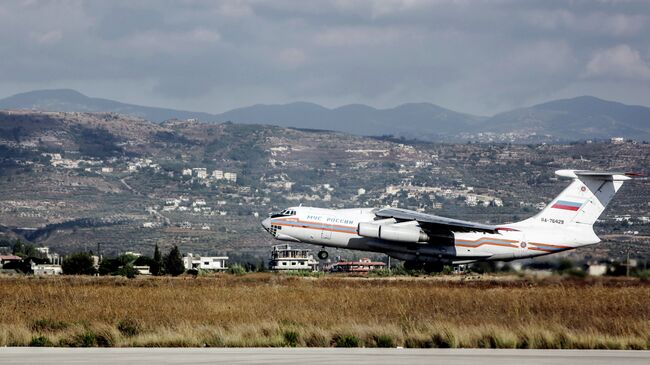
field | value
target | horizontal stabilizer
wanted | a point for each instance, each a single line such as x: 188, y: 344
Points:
x: 596, y: 175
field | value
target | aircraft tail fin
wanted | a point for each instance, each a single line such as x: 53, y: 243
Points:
x: 582, y: 202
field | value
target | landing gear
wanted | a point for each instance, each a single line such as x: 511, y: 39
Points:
x: 323, y: 255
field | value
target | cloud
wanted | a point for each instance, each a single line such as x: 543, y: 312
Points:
x: 476, y: 56
x: 618, y: 62
x: 48, y: 37
x: 291, y: 57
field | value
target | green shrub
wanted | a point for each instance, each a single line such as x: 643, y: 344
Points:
x: 236, y: 269
x: 381, y: 273
x: 316, y: 340
x: 347, y: 341
x: 40, y: 341
x: 83, y: 339
x: 128, y: 327
x: 43, y: 325
x: 575, y: 273
x: 418, y: 342
x: 291, y: 338
x: 384, y: 341
x: 444, y: 340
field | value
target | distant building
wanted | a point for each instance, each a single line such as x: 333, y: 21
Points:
x: 107, y: 169
x: 187, y: 172
x: 46, y: 269
x: 200, y: 172
x: 283, y: 257
x: 52, y: 257
x: 597, y: 269
x: 363, y: 265
x: 4, y: 259
x: 143, y: 269
x: 215, y: 263
x: 230, y: 176
x: 217, y: 174
x: 617, y: 140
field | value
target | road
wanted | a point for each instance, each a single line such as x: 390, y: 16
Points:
x: 313, y: 356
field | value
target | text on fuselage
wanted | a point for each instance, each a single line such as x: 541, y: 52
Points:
x: 334, y: 220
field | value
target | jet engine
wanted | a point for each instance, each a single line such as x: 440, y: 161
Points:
x: 408, y: 232
x: 371, y: 229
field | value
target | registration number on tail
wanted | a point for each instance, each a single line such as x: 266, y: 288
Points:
x: 552, y: 220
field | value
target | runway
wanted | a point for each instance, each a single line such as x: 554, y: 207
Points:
x: 25, y: 355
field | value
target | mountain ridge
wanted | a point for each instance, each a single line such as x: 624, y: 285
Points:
x: 578, y: 118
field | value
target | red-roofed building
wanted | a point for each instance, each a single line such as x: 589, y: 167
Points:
x: 363, y: 265
x: 8, y: 258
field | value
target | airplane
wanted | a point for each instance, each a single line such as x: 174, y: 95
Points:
x: 428, y: 242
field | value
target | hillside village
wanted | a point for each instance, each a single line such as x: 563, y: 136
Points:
x: 71, y: 180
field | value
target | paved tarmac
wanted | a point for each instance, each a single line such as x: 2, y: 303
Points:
x: 313, y: 356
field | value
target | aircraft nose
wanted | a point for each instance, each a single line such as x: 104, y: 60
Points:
x: 266, y: 223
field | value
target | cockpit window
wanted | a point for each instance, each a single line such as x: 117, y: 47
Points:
x: 284, y: 213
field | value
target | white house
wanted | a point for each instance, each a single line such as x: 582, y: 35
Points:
x: 192, y: 261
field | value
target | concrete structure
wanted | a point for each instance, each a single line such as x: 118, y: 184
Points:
x: 230, y: 176
x: 283, y: 257
x: 597, y: 269
x: 217, y: 174
x: 200, y: 172
x: 143, y: 269
x: 52, y: 257
x: 215, y: 263
x: 363, y: 265
x: 46, y: 269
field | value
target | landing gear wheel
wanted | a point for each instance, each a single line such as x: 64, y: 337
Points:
x: 323, y: 255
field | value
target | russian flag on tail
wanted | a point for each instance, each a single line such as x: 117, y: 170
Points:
x: 566, y: 205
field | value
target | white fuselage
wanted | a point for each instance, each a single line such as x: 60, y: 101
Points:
x: 339, y: 228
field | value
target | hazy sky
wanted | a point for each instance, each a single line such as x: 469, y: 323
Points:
x: 472, y: 56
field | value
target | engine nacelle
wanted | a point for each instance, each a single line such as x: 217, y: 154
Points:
x: 408, y: 233
x: 371, y: 229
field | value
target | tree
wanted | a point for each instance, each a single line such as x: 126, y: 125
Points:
x: 174, y: 262
x: 157, y: 264
x: 80, y: 263
x: 128, y: 270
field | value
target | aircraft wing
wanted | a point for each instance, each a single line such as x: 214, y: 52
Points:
x: 434, y: 222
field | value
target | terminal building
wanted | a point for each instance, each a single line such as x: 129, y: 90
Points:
x: 283, y: 257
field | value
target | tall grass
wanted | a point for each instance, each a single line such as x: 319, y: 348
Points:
x: 279, y: 310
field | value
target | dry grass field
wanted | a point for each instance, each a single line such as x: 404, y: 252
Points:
x: 277, y: 310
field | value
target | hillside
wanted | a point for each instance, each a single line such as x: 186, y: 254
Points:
x: 71, y: 180
x: 575, y: 119
x: 416, y: 120
x: 563, y: 120
x: 66, y: 100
